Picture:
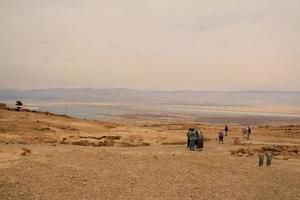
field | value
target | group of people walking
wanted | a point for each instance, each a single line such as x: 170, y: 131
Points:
x: 195, y: 139
x: 246, y: 132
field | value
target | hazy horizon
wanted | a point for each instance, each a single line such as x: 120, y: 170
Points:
x: 154, y: 96
x: 163, y: 90
x: 192, y: 45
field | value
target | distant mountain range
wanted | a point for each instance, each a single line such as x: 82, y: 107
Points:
x: 88, y: 95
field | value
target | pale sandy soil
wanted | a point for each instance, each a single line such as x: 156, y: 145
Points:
x: 66, y: 158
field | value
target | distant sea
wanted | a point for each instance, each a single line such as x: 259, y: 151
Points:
x: 114, y: 111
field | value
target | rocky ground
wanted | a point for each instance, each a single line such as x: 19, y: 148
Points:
x: 46, y: 156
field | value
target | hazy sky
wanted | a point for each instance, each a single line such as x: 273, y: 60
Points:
x: 150, y: 44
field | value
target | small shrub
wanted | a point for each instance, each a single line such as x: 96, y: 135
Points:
x: 81, y: 143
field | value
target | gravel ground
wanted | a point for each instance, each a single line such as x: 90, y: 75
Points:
x: 155, y: 172
x: 155, y: 165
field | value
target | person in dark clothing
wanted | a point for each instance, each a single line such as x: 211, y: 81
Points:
x: 226, y: 129
x: 197, y: 139
x: 221, y: 137
x: 193, y: 138
x: 200, y: 141
x: 248, y: 132
x: 188, y: 137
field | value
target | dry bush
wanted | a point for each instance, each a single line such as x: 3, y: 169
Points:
x: 275, y: 150
x: 23, y: 142
x: 280, y: 149
x: 127, y: 144
x: 42, y: 129
x: 81, y: 143
x: 109, y: 143
x: 4, y: 140
x: 145, y: 144
x: 242, y: 152
x: 114, y: 137
x: 109, y: 125
x: 93, y: 137
x: 69, y: 128
x: 3, y: 106
x: 49, y: 140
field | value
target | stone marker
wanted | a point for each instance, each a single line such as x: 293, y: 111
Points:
x: 261, y: 159
x: 269, y: 159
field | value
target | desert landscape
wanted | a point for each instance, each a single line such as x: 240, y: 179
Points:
x: 49, y: 156
x: 104, y: 100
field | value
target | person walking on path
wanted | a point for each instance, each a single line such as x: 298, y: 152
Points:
x: 197, y: 139
x: 192, y: 138
x: 248, y: 132
x: 201, y: 141
x: 188, y: 137
x: 226, y: 129
x: 221, y: 137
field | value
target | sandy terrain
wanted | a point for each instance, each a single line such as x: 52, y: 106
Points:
x: 45, y: 156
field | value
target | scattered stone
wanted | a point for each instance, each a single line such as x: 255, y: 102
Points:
x: 242, y: 152
x: 275, y: 150
x: 64, y: 141
x: 145, y: 144
x: 22, y: 151
x: 22, y: 142
x: 280, y: 158
x: 42, y: 129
